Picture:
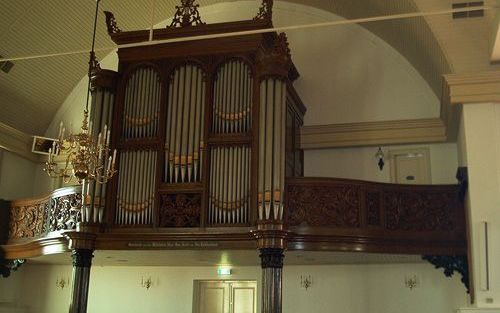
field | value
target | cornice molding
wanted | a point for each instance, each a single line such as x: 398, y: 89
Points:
x: 472, y: 87
x: 17, y: 142
x: 373, y: 133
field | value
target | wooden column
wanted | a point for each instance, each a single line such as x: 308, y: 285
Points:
x: 271, y: 240
x: 82, y: 262
x: 272, y: 272
x: 82, y: 245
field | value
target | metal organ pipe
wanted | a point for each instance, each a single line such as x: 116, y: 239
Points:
x: 229, y: 185
x: 272, y: 149
x: 184, y: 130
x: 137, y: 173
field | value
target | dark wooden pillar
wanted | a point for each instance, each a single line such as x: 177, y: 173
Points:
x: 82, y: 245
x: 271, y: 240
x: 82, y: 262
x: 272, y: 272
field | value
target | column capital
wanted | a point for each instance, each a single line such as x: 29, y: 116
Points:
x: 477, y: 87
x: 270, y: 235
x: 81, y: 240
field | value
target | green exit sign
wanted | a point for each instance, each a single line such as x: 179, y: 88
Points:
x: 224, y: 271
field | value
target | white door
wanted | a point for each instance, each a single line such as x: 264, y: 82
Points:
x: 410, y: 166
x: 225, y: 297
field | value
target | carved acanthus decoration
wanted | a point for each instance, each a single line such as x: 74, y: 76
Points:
x: 28, y: 221
x: 186, y: 14
x: 419, y: 211
x: 111, y: 23
x: 181, y: 210
x: 271, y: 257
x: 373, y: 208
x: 265, y: 11
x: 65, y: 212
x: 336, y: 206
x: 450, y: 265
x: 276, y: 61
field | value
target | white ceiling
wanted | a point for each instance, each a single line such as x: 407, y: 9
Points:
x: 33, y: 91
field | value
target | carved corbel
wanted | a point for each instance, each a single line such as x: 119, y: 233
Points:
x: 275, y: 61
x: 186, y: 14
x: 111, y: 23
x: 450, y: 265
x: 9, y: 266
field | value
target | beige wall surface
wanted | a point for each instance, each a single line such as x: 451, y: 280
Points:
x: 481, y: 124
x: 335, y: 288
x: 16, y: 176
x: 361, y: 163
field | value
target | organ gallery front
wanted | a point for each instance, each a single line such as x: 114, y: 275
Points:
x: 207, y: 131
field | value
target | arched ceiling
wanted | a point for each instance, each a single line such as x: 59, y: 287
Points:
x: 33, y: 91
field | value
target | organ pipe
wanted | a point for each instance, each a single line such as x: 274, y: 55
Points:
x: 271, y: 149
x: 184, y: 129
x: 232, y: 98
x: 136, y: 187
x: 103, y: 88
x: 229, y: 196
x: 142, y: 104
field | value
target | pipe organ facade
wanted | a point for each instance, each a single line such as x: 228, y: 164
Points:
x: 201, y: 128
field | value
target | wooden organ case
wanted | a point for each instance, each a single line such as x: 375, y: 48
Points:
x: 207, y: 130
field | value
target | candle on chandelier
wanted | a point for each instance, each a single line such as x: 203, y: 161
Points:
x: 114, y: 159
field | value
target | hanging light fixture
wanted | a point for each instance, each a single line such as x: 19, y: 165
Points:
x: 87, y: 158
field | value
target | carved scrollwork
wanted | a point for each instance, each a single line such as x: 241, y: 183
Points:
x: 265, y: 11
x: 186, y: 14
x: 64, y: 212
x: 373, y: 208
x: 28, y: 221
x: 180, y: 210
x: 450, y: 265
x: 111, y: 23
x: 337, y: 206
x: 419, y: 211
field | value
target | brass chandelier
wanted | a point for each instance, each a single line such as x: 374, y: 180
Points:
x: 87, y: 159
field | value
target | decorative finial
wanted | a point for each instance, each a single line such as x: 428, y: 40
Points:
x: 186, y: 14
x: 111, y: 23
x: 265, y: 11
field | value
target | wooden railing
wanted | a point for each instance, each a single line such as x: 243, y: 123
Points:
x: 359, y: 215
x: 37, y: 217
x: 321, y: 213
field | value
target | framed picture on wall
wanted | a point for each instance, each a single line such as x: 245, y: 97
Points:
x: 41, y: 145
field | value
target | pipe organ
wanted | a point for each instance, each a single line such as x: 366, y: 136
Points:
x: 207, y: 130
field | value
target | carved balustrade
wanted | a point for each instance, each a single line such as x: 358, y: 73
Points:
x: 35, y: 218
x: 368, y: 216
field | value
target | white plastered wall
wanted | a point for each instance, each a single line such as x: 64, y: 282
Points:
x: 479, y: 148
x: 361, y: 163
x: 16, y: 176
x: 336, y: 288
